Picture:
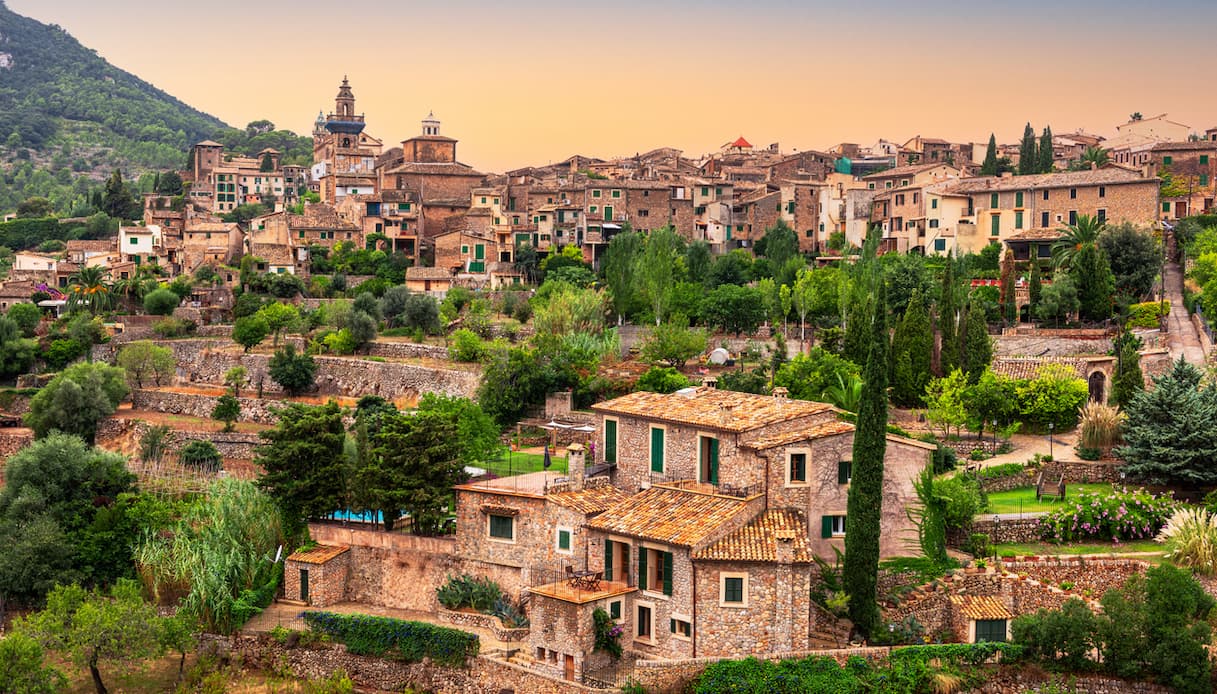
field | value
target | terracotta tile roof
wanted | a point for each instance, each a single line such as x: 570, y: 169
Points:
x: 319, y: 554
x: 758, y: 541
x: 667, y: 515
x: 1038, y: 235
x: 724, y: 410
x: 980, y: 607
x: 428, y: 273
x: 211, y: 227
x: 209, y: 143
x: 1111, y: 175
x: 818, y: 431
x: 272, y: 253
x: 90, y: 244
x: 1177, y: 146
x: 435, y: 169
x: 905, y: 170
x: 1022, y: 368
x: 589, y: 501
x: 319, y: 216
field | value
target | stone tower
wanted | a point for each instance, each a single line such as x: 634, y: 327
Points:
x: 344, y: 103
x: 431, y: 124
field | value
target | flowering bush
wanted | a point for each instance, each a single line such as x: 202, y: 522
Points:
x: 1117, y: 515
x: 608, y: 633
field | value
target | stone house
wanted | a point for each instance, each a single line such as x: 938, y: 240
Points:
x: 1193, y: 170
x: 432, y: 280
x: 317, y: 576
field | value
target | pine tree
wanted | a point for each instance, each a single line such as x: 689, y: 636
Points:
x: 1028, y: 153
x: 1045, y: 153
x: 1128, y: 380
x: 977, y: 347
x: 267, y: 164
x: 1035, y: 286
x: 864, y: 507
x: 989, y: 167
x: 1171, y: 433
x: 912, y: 349
x: 948, y: 319
x: 1008, y: 300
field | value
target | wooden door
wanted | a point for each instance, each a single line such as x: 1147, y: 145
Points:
x: 569, y: 669
x: 304, y: 585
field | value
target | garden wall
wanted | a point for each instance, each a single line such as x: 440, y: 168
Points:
x: 1012, y: 681
x: 672, y: 676
x: 488, y: 622
x: 1016, y: 530
x: 1080, y: 471
x: 1087, y: 576
x: 483, y: 675
x: 231, y: 445
x: 257, y: 410
x: 1051, y: 343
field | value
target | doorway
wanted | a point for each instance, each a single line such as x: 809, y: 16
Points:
x: 303, y: 585
x: 568, y: 669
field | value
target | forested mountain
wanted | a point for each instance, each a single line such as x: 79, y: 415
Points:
x: 68, y: 118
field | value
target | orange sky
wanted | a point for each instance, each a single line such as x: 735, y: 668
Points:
x: 533, y: 82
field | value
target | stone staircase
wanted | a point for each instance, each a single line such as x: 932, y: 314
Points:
x: 828, y: 631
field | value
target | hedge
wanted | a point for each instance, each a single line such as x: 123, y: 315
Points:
x: 1003, y: 470
x: 398, y: 638
x: 1145, y: 315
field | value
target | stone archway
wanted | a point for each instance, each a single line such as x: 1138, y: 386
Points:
x: 1097, y: 383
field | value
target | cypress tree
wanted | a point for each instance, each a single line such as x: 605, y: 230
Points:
x: 1095, y: 282
x: 977, y: 347
x: 1045, y: 154
x: 854, y: 345
x: 1035, y: 286
x: 912, y: 349
x: 863, y: 510
x: 1028, y: 153
x: 1127, y: 380
x: 948, y: 319
x: 1008, y: 300
x: 989, y: 167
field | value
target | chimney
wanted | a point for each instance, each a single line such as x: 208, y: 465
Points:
x: 574, y: 466
x: 710, y: 382
x: 1094, y: 166
x: 780, y: 393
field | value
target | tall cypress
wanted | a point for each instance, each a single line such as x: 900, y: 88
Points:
x: 1045, y: 154
x: 1028, y: 153
x: 989, y: 167
x: 977, y: 347
x: 864, y: 507
x: 912, y: 350
x: 948, y: 320
x: 1127, y: 381
x: 1008, y: 301
x: 1034, y: 288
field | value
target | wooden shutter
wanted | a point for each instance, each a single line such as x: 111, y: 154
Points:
x: 672, y: 625
x: 608, y: 559
x: 714, y: 461
x: 667, y: 573
x: 610, y: 440
x: 642, y: 568
x: 657, y: 450
x: 843, y: 467
x: 826, y: 526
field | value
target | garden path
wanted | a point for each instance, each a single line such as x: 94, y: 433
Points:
x: 1182, y: 338
x: 1025, y: 446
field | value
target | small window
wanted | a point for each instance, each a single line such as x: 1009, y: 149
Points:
x: 733, y: 590
x: 1073, y: 193
x: 870, y: 186
x: 993, y: 201
x: 933, y: 203
x: 1102, y: 191
x: 563, y: 540
x: 1073, y: 217
x: 614, y: 609
x: 1018, y: 199
x: 1204, y: 179
x: 1044, y: 219
x: 845, y: 470
x: 681, y: 628
x: 1204, y: 160
x: 1167, y: 160
x: 1045, y: 194
x: 933, y: 223
x: 991, y: 630
x: 797, y: 468
x: 134, y: 241
x: 939, y: 244
x: 502, y: 527
x: 616, y: 193
x: 1166, y: 207
x: 595, y: 193
x: 995, y: 225
x: 1102, y: 215
x: 657, y: 449
x: 832, y: 526
x: 1018, y: 219
x: 643, y: 621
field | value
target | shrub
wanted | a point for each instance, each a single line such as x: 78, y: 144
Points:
x: 608, y: 633
x: 202, y: 455
x: 978, y: 545
x: 161, y: 302
x: 1061, y: 638
x: 466, y: 346
x: 174, y: 327
x: 1054, y: 396
x: 662, y: 379
x: 294, y: 372
x: 1001, y: 471
x: 480, y: 594
x: 1117, y: 515
x: 409, y: 641
x: 1191, y: 539
x: 1146, y: 315
x: 1099, y: 426
x: 1088, y: 453
x: 963, y: 499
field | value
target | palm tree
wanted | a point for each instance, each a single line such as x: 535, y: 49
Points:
x: 846, y: 394
x: 1083, y: 233
x: 87, y: 289
x: 1095, y: 156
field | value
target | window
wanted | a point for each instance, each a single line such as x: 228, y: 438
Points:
x: 705, y: 191
x: 940, y: 244
x: 1044, y: 219
x: 1204, y: 179
x: 502, y: 528
x: 610, y: 441
x: 796, y: 467
x: 642, y: 612
x: 832, y: 526
x: 594, y: 209
x: 904, y: 182
x: 1102, y: 191
x: 870, y: 186
x: 464, y: 250
x: 993, y: 201
x: 845, y: 471
x: 1073, y: 193
x: 887, y: 184
x: 654, y: 570
x: 995, y: 225
x: 616, y: 193
x: 1204, y: 160
x: 993, y: 630
x: 899, y: 199
x: 718, y: 191
x: 1018, y: 219
x: 707, y: 459
x: 933, y: 203
x: 1073, y: 217
x: 595, y: 194
x: 614, y: 609
x: 1044, y: 250
x: 563, y: 540
x: 1167, y: 161
x: 483, y: 199
x: 1018, y: 199
x: 733, y: 589
x: 681, y: 628
x: 657, y: 435
x: 1166, y: 207
x: 1045, y: 194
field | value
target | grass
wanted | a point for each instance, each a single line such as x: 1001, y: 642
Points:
x: 1040, y: 549
x: 518, y: 463
x: 1023, y: 500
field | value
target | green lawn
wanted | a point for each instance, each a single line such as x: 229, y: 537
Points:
x: 1023, y: 500
x: 1046, y: 548
x: 517, y: 463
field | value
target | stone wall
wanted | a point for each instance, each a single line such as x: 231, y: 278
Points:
x: 11, y: 441
x: 777, y: 611
x: 257, y: 410
x: 670, y: 677
x: 1081, y: 471
x: 1046, y: 344
x: 391, y: 569
x: 326, y: 582
x: 1012, y: 681
x: 232, y: 445
x: 1005, y: 483
x: 483, y: 675
x: 488, y: 622
x: 1025, y: 529
x: 1082, y: 576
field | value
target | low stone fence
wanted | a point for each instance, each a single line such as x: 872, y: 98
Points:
x: 406, y: 350
x: 662, y: 676
x: 1014, y: 530
x: 256, y: 410
x: 1005, y: 483
x: 482, y: 675
x: 1011, y: 681
x: 231, y: 445
x: 484, y: 621
x: 1080, y: 471
x: 1083, y: 576
x: 965, y: 447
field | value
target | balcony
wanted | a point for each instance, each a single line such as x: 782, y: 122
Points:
x: 556, y: 585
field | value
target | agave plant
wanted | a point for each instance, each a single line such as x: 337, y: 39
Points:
x: 1100, y: 425
x: 1191, y: 539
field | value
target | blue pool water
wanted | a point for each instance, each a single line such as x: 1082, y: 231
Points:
x: 363, y: 517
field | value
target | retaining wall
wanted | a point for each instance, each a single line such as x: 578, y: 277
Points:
x: 1080, y: 471
x: 484, y: 621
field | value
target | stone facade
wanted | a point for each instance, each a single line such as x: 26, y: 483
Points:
x: 488, y: 622
x: 778, y: 610
x: 1012, y: 530
x: 1081, y: 471
x: 562, y: 636
x: 319, y: 584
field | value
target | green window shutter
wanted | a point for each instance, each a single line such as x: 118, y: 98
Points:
x: 993, y: 200
x: 825, y: 526
x: 1204, y: 179
x: 608, y: 559
x: 615, y: 609
x: 940, y: 244
x: 995, y: 225
x: 1018, y: 219
x: 657, y: 450
x: 1018, y: 199
x: 1167, y: 160
x: 672, y: 625
x: 667, y: 573
x: 642, y: 568
x: 1204, y: 159
x: 610, y: 441
x: 713, y: 461
x: 934, y: 204
x: 1166, y: 207
x: 479, y: 251
x: 844, y: 468
x: 564, y: 539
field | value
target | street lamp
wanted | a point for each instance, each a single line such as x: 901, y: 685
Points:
x: 1050, y: 456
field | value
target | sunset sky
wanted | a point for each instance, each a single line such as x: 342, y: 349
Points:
x: 529, y: 82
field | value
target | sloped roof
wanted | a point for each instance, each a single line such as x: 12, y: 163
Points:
x: 591, y: 500
x: 320, y: 216
x: 671, y: 516
x: 980, y: 607
x: 709, y: 407
x: 758, y: 541
x: 272, y: 253
x: 319, y: 554
x: 819, y: 431
x: 906, y: 170
x: 741, y: 142
x: 428, y: 273
x: 1023, y: 368
x: 1110, y: 175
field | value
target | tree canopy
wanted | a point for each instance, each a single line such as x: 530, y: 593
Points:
x: 1170, y: 435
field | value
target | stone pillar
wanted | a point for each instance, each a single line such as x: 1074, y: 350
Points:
x: 574, y: 466
x: 783, y: 593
